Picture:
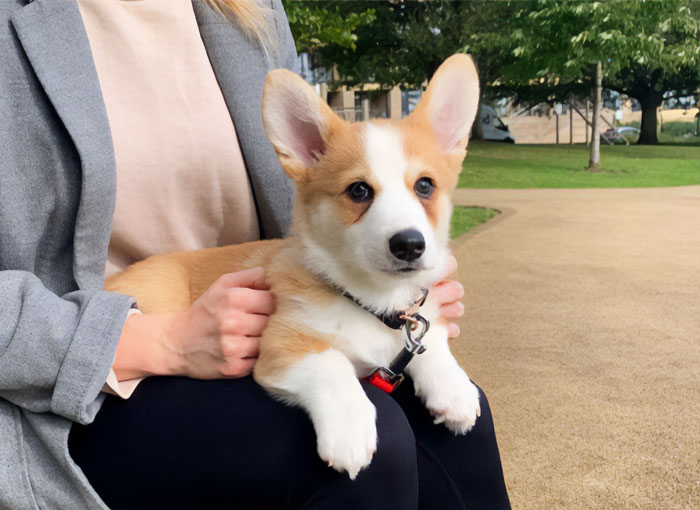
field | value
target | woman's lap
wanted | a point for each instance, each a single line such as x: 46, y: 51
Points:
x: 458, y: 471
x: 179, y: 442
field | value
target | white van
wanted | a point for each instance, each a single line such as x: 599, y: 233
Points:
x: 493, y: 128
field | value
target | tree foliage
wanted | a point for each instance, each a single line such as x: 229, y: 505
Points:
x: 648, y: 49
x: 316, y: 25
x: 532, y: 50
x: 563, y: 38
x: 407, y: 41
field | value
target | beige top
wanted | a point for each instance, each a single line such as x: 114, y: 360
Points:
x: 181, y: 179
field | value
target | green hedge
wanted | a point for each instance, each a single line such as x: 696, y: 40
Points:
x: 678, y: 128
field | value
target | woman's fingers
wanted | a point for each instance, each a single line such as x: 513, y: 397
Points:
x: 243, y: 353
x: 236, y: 348
x: 452, y: 330
x: 237, y: 367
x: 253, y: 278
x: 452, y: 311
x: 248, y: 347
x: 447, y: 292
x: 251, y: 300
x: 450, y: 268
x: 239, y: 323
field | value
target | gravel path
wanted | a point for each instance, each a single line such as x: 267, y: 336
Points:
x: 583, y: 328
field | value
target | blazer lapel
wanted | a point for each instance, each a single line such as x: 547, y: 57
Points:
x: 240, y: 67
x: 54, y: 39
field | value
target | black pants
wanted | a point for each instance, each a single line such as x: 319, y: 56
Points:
x: 183, y: 444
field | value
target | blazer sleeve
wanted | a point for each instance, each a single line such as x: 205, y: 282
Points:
x: 56, y: 351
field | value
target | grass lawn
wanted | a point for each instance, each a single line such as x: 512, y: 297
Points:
x: 466, y: 218
x: 497, y: 165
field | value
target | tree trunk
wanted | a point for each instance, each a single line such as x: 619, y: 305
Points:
x: 571, y: 125
x: 594, y: 161
x: 647, y: 131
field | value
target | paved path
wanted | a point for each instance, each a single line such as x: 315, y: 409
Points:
x: 583, y: 327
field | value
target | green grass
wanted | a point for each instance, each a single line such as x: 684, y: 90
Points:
x: 495, y: 165
x: 466, y: 218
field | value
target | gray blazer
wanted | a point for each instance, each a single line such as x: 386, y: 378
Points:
x: 58, y: 329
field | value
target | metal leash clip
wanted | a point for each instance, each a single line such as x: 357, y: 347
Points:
x: 388, y: 378
x: 414, y: 328
x: 412, y: 339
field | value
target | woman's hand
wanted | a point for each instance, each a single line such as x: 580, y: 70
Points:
x: 217, y: 337
x: 448, y: 294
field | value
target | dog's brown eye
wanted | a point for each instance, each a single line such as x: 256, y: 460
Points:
x: 360, y: 191
x: 424, y: 187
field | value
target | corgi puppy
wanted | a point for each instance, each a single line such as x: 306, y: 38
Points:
x: 370, y: 232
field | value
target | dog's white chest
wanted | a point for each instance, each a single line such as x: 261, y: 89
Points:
x: 365, y: 340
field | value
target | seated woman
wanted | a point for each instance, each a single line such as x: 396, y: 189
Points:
x: 149, y: 91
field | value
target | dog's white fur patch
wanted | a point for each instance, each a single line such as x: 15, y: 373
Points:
x: 396, y: 207
x: 440, y: 382
x: 363, y: 339
x: 326, y: 386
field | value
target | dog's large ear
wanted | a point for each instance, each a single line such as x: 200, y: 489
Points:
x: 449, y: 103
x: 297, y: 121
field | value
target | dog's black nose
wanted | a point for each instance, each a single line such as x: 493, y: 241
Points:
x: 407, y: 245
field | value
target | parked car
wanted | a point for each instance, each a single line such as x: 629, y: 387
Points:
x: 493, y: 127
x: 622, y: 134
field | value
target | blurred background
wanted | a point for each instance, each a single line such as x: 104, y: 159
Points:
x: 537, y: 62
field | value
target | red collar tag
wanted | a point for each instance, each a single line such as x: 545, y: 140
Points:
x: 385, y: 379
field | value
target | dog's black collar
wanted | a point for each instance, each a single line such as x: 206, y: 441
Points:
x: 393, y: 320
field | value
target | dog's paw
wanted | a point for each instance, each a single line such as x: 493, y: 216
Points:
x: 347, y: 437
x: 454, y: 401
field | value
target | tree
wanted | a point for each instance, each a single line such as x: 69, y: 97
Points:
x: 671, y: 69
x: 535, y: 50
x: 407, y: 41
x: 559, y: 43
x: 647, y: 48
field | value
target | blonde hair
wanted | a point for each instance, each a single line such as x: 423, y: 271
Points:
x: 256, y: 20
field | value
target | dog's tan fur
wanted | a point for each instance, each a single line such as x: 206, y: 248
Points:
x: 172, y: 282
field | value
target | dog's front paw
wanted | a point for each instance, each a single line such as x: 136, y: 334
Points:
x: 347, y: 436
x: 453, y: 400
